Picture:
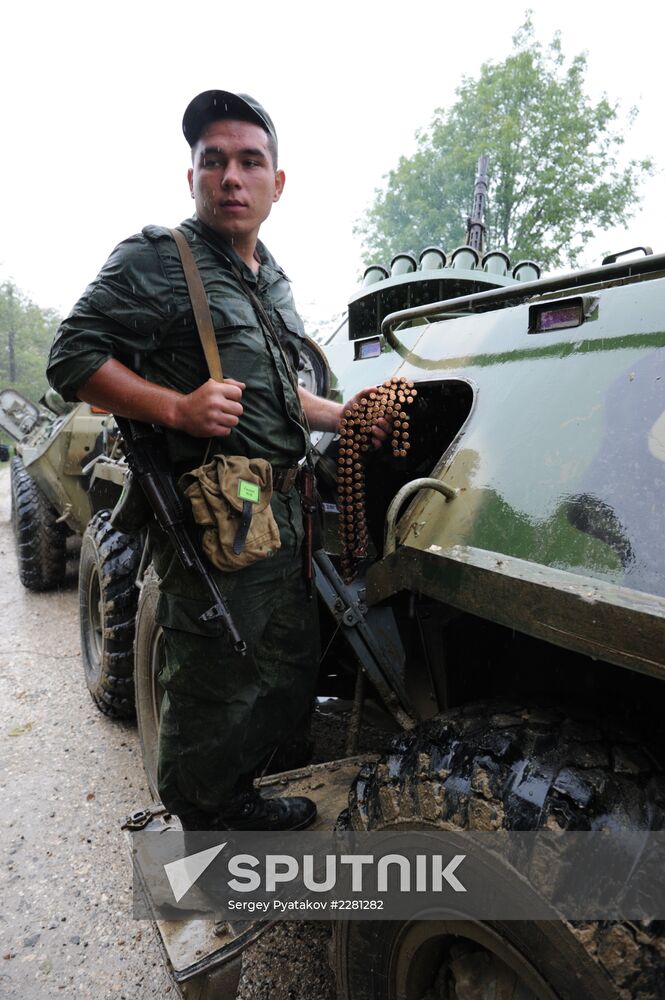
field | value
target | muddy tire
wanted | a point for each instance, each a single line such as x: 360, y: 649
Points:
x: 491, y: 767
x: 40, y: 540
x: 12, y: 495
x: 148, y: 654
x: 107, y: 610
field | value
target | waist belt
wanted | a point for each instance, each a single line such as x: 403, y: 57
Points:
x: 283, y: 480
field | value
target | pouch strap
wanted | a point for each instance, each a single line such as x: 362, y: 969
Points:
x: 202, y: 317
x: 243, y: 527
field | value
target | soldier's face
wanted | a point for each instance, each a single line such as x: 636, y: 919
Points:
x: 233, y: 181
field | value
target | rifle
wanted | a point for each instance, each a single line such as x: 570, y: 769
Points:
x: 309, y: 509
x: 144, y: 450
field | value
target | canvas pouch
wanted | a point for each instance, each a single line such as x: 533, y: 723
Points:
x: 230, y: 498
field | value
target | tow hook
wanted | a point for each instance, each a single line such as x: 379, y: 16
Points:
x: 139, y: 820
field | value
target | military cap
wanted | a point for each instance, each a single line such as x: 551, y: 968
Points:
x: 212, y: 105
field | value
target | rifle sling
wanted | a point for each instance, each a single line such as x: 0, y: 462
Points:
x: 268, y: 327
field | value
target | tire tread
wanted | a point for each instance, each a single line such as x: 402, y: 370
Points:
x: 40, y: 538
x: 115, y: 557
x: 471, y: 769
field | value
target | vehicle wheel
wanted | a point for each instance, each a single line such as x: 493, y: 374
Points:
x: 148, y: 655
x: 107, y: 611
x: 12, y: 497
x: 313, y: 370
x: 492, y: 767
x: 40, y: 539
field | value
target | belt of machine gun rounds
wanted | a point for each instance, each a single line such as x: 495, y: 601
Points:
x: 390, y: 401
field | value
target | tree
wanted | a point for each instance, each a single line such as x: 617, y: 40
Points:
x: 26, y: 333
x: 554, y: 177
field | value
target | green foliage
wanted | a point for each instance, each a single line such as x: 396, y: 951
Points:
x: 554, y: 179
x: 26, y: 333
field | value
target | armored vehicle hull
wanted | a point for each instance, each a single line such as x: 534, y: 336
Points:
x: 55, y: 441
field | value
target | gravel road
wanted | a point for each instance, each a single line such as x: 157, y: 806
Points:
x: 67, y: 778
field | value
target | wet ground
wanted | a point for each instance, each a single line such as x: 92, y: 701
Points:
x: 68, y: 776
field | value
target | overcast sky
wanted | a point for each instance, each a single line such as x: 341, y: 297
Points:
x: 93, y: 96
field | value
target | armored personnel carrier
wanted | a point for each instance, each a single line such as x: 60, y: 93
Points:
x: 55, y: 442
x: 67, y: 471
x: 505, y: 607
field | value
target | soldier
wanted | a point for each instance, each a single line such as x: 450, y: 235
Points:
x: 131, y: 345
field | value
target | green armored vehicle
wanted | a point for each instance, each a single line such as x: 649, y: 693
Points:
x: 55, y: 442
x: 506, y: 615
x: 66, y: 474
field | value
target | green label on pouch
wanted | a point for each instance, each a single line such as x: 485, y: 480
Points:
x: 249, y: 491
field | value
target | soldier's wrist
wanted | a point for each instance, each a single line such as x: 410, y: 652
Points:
x: 175, y: 415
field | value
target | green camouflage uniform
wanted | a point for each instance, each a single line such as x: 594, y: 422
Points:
x: 222, y: 714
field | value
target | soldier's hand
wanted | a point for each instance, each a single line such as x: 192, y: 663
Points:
x: 212, y: 410
x: 382, y: 429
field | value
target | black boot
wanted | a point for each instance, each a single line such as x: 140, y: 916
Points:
x: 249, y: 811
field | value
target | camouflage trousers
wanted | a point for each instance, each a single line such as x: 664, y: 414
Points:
x: 223, y: 714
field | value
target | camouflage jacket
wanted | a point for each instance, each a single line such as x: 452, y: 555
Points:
x: 138, y: 311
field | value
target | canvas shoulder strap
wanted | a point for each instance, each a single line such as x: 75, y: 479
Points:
x: 199, y: 299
